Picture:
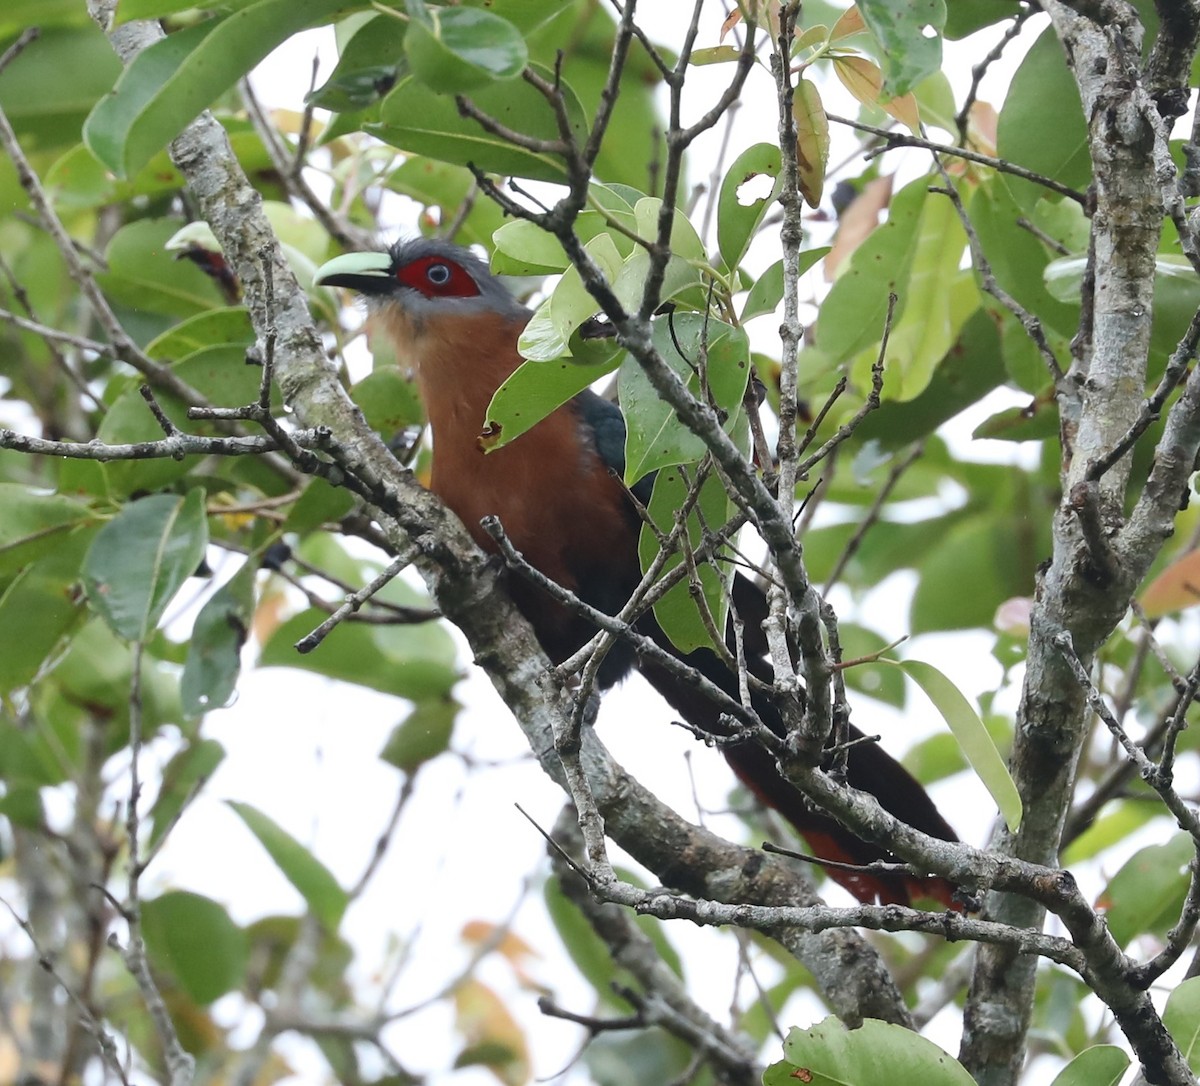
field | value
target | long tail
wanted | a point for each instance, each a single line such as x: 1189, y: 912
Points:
x: 869, y: 769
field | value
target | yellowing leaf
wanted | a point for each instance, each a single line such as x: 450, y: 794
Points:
x: 860, y: 77
x: 494, y: 1040
x: 1176, y: 588
x: 851, y: 22
x: 905, y: 109
x: 812, y: 141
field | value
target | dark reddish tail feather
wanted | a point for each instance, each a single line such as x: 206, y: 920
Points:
x: 869, y: 769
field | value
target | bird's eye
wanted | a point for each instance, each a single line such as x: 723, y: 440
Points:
x: 438, y: 274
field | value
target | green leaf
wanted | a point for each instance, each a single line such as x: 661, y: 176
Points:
x: 368, y: 66
x: 193, y: 938
x: 589, y: 952
x: 1052, y: 142
x: 140, y: 559
x: 447, y: 188
x: 909, y: 51
x: 1181, y: 1016
x: 459, y: 49
x: 882, y: 683
x: 45, y: 109
x: 143, y: 275
x: 416, y: 662
x: 971, y: 734
x: 546, y: 336
x: 183, y: 775
x: 533, y: 391
x: 677, y: 612
x: 39, y: 606
x: 389, y: 401
x: 422, y: 735
x: 214, y: 654
x: 655, y: 437
x: 30, y: 522
x: 875, y: 1054
x: 853, y: 313
x: 320, y: 890
x: 211, y: 328
x: 766, y: 293
x: 737, y: 216
x: 170, y: 82
x: 1148, y: 892
x: 1100, y: 1065
x: 421, y: 121
x: 937, y: 303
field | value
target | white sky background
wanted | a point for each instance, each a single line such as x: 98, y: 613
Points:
x: 305, y: 751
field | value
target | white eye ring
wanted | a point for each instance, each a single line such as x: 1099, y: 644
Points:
x: 438, y: 274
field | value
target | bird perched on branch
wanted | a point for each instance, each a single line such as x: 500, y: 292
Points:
x: 557, y: 492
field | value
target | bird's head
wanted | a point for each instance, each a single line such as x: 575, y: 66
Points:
x: 424, y: 278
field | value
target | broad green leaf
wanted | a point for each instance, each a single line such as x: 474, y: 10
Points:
x: 971, y: 734
x: 524, y: 248
x: 1119, y: 821
x: 128, y: 10
x: 978, y: 549
x: 1018, y: 259
x: 420, y: 121
x: 183, y: 775
x: 533, y: 391
x: 320, y: 503
x: 1100, y: 1065
x: 193, y: 938
x: 1146, y: 894
x: 170, y: 82
x: 1052, y: 142
x: 882, y: 683
x: 219, y: 373
x: 937, y: 303
x: 910, y: 51
x: 17, y: 15
x: 766, y: 294
x: 447, y: 188
x: 140, y: 559
x: 677, y: 612
x: 212, y: 328
x: 971, y: 369
x: 964, y: 17
x: 45, y: 109
x: 30, y: 522
x: 875, y: 1054
x: 214, y: 655
x: 389, y: 401
x: 143, y: 275
x: 422, y: 735
x: 458, y: 49
x: 320, y: 890
x: 39, y: 606
x: 1182, y: 1017
x: 655, y: 437
x: 767, y: 291
x: 1176, y: 295
x: 414, y: 662
x: 546, y: 337
x: 739, y: 212
x: 853, y: 313
x: 587, y: 950
x: 368, y: 66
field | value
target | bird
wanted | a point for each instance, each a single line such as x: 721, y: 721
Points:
x: 557, y: 491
